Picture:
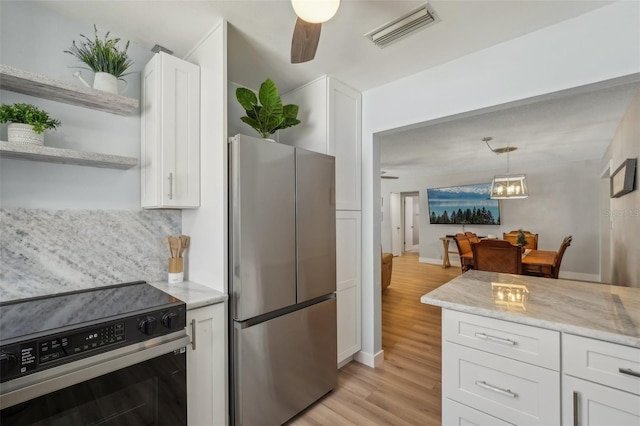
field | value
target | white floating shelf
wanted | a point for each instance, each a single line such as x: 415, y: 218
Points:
x: 65, y: 156
x: 33, y: 84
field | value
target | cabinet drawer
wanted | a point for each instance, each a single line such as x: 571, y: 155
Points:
x: 510, y: 390
x: 454, y: 413
x: 606, y: 363
x: 521, y: 342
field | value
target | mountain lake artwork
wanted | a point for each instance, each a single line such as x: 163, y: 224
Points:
x: 465, y: 204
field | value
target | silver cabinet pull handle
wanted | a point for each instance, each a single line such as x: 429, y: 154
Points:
x: 496, y: 339
x: 506, y: 392
x: 171, y: 186
x: 576, y: 411
x: 193, y: 334
x: 629, y: 372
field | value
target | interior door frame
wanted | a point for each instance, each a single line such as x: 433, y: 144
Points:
x: 395, y: 212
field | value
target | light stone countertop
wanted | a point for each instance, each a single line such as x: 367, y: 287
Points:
x: 605, y: 312
x: 193, y: 294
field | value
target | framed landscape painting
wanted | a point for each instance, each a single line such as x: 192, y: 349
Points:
x: 465, y: 204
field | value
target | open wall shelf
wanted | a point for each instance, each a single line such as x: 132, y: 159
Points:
x: 65, y: 156
x: 33, y: 84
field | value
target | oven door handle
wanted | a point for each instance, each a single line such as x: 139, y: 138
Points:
x: 41, y: 383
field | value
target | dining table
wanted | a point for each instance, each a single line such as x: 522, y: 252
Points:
x: 533, y: 261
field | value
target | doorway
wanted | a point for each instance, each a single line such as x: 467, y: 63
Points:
x: 405, y: 222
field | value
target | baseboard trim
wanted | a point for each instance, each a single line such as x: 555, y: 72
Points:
x: 370, y: 360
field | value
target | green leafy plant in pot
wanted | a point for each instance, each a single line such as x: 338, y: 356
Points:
x: 27, y: 123
x: 265, y: 112
x: 103, y: 57
x: 521, y: 240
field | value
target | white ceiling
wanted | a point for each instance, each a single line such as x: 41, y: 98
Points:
x: 573, y: 125
x: 259, y: 37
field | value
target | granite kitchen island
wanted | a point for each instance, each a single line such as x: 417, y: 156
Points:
x: 535, y: 351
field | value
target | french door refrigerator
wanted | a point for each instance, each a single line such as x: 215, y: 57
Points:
x: 282, y: 275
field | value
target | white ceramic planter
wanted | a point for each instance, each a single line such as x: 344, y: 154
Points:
x: 106, y: 82
x: 23, y: 133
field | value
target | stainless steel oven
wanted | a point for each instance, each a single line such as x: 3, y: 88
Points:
x: 108, y: 356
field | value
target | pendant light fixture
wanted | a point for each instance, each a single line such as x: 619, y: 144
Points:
x: 315, y: 11
x: 509, y: 185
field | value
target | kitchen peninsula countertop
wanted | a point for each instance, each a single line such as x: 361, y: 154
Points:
x: 605, y: 312
x: 193, y: 294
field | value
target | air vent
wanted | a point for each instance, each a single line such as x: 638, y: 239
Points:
x: 403, y: 26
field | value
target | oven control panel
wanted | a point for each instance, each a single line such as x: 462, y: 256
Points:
x: 60, y: 348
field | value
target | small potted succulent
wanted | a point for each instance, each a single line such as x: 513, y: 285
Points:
x: 27, y: 123
x: 271, y: 116
x: 104, y: 58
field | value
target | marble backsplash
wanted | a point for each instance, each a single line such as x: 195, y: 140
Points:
x: 52, y: 251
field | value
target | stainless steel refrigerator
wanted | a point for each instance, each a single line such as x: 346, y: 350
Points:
x: 282, y: 279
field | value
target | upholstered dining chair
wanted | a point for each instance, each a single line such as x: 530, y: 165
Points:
x: 464, y: 248
x: 497, y: 256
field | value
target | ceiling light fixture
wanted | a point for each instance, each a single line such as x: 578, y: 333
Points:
x: 315, y: 11
x: 509, y: 185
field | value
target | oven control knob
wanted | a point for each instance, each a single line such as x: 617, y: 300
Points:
x: 7, y: 363
x: 148, y: 325
x: 170, y: 320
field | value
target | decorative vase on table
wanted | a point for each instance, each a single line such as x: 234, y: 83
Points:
x: 24, y: 133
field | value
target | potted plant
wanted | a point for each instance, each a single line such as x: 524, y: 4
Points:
x: 265, y: 113
x: 103, y: 57
x: 521, y: 240
x: 27, y: 123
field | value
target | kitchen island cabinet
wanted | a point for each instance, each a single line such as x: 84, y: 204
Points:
x: 207, y: 384
x: 527, y: 350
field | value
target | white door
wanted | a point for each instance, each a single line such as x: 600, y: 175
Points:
x: 396, y: 240
x: 411, y: 217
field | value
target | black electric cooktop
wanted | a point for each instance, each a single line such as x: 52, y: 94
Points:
x: 45, y: 332
x: 46, y: 314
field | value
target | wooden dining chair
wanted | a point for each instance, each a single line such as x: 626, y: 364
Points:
x: 497, y: 256
x: 563, y: 247
x: 464, y: 248
x: 532, y: 239
x: 473, y: 237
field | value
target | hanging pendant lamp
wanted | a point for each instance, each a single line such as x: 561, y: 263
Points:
x: 507, y: 186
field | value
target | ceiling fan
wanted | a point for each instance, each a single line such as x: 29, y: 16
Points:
x: 306, y: 34
x: 383, y: 175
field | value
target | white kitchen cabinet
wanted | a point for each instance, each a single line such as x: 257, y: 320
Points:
x: 502, y: 370
x: 207, y: 395
x: 330, y: 114
x: 348, y: 283
x: 601, y: 382
x: 170, y: 132
x: 589, y: 404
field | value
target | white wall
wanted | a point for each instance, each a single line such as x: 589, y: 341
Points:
x: 593, y: 47
x: 564, y: 201
x: 207, y: 225
x: 33, y: 184
x: 624, y: 212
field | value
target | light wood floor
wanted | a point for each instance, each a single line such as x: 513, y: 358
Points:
x: 406, y: 389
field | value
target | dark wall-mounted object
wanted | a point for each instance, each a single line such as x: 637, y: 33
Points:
x: 623, y: 180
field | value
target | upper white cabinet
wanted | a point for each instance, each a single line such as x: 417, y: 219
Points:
x: 170, y: 146
x: 330, y: 113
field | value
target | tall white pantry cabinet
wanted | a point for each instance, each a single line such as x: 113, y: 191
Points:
x: 330, y: 113
x: 170, y: 133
